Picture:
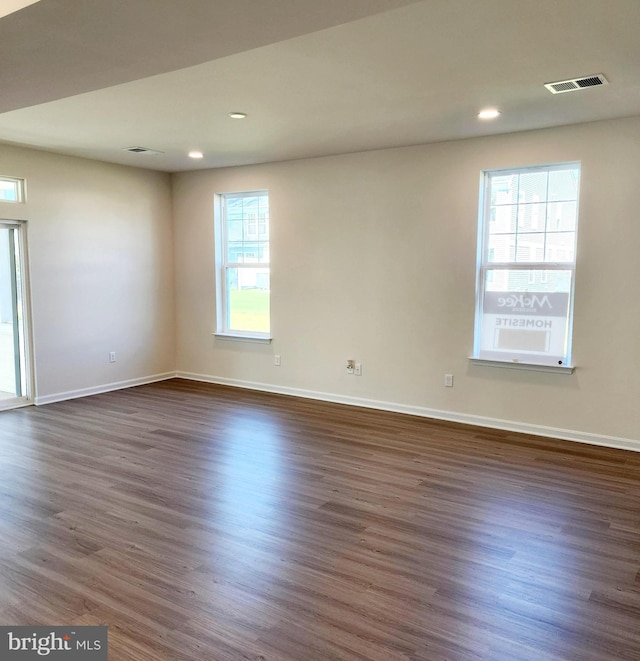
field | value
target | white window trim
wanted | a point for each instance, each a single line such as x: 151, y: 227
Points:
x: 221, y: 265
x: 241, y: 337
x: 531, y: 367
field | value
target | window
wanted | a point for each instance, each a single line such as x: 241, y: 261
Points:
x: 11, y: 189
x: 242, y: 264
x: 526, y: 264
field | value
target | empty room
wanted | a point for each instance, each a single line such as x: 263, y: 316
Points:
x: 318, y: 330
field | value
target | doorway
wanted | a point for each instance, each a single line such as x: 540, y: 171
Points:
x: 15, y: 381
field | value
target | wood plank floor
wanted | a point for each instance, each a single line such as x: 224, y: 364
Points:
x: 207, y: 523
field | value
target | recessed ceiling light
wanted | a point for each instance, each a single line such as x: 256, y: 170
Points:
x: 195, y: 154
x: 237, y: 115
x: 489, y: 113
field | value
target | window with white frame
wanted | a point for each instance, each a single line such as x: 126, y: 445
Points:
x: 11, y: 189
x: 526, y: 264
x: 242, y: 264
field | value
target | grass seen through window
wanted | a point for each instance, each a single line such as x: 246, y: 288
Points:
x: 249, y: 310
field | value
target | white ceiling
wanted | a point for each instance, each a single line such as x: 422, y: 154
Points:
x: 315, y: 77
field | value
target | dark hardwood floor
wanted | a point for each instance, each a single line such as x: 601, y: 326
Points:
x: 207, y: 523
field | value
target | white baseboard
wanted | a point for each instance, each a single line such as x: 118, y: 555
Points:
x: 450, y: 416
x: 107, y: 387
x: 14, y: 403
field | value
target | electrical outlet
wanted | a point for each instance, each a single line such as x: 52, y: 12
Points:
x: 351, y: 366
x: 277, y: 360
x: 358, y: 369
x: 448, y: 380
x: 112, y: 356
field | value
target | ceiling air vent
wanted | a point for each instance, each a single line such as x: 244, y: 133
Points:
x: 142, y: 150
x: 577, y: 84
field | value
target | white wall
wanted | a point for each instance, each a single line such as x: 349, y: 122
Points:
x: 373, y: 258
x: 101, y: 256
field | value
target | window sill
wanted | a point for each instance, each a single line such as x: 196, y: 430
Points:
x: 237, y: 337
x: 552, y: 369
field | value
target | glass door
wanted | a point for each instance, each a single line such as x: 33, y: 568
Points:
x: 14, y: 382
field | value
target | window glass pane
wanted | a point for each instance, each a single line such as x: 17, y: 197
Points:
x: 10, y: 189
x: 563, y: 184
x: 247, y: 298
x: 503, y: 219
x: 235, y: 251
x: 532, y: 217
x: 262, y: 252
x: 517, y: 280
x: 533, y: 187
x: 235, y: 229
x: 234, y: 208
x: 248, y: 256
x: 562, y: 216
x: 524, y: 320
x: 250, y: 205
x: 530, y: 247
x: 502, y: 248
x: 504, y: 189
x: 560, y: 247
